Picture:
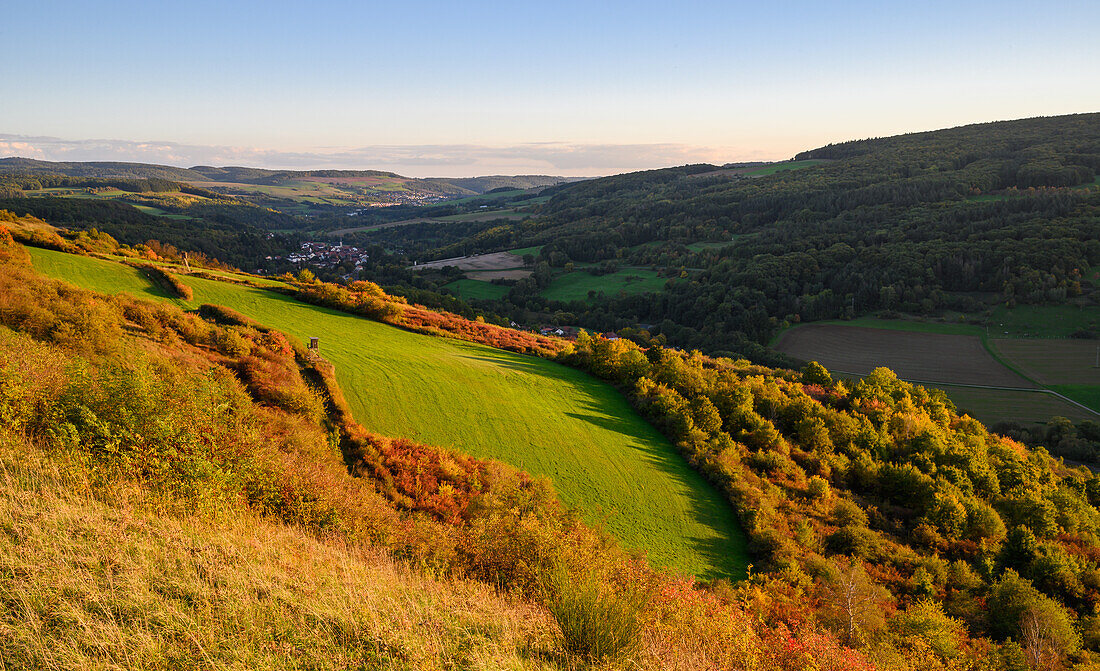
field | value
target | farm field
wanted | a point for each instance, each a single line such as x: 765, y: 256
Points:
x: 703, y: 246
x: 575, y: 286
x: 925, y: 357
x: 1082, y: 393
x: 157, y: 212
x: 1050, y: 361
x: 537, y: 415
x: 489, y: 275
x: 1026, y: 407
x: 494, y: 261
x: 467, y: 288
x: 1052, y: 321
x: 113, y: 194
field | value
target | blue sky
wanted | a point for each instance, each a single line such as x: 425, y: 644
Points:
x: 581, y: 88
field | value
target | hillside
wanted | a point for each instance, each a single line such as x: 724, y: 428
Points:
x: 927, y: 224
x: 537, y: 415
x: 173, y: 497
x: 874, y: 510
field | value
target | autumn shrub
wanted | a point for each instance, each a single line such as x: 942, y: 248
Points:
x: 276, y: 380
x: 167, y: 281
x: 220, y: 314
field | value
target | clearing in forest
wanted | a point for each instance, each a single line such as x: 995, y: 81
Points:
x: 575, y: 286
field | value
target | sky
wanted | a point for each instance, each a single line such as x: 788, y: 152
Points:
x: 565, y: 88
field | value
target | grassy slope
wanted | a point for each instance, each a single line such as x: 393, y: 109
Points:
x: 540, y: 416
x: 106, y: 585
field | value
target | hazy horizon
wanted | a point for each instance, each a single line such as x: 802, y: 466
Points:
x: 577, y: 88
x: 556, y: 159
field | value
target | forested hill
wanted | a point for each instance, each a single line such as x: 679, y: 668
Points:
x: 958, y: 219
x: 97, y: 169
x: 1026, y: 150
x: 458, y: 186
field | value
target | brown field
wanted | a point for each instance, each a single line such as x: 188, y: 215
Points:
x: 487, y: 275
x: 1050, y: 361
x: 924, y: 357
x: 495, y: 261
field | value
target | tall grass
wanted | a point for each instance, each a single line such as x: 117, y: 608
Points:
x: 597, y: 623
x: 90, y: 581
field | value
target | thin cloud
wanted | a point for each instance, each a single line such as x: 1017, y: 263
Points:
x: 557, y: 158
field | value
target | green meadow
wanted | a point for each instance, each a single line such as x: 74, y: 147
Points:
x: 467, y: 288
x: 535, y: 414
x: 575, y: 286
x: 1042, y: 321
x: 533, y: 251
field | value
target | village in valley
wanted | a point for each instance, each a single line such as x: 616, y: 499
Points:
x: 324, y: 255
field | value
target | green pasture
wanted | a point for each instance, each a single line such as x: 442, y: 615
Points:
x: 535, y: 414
x: 1042, y: 321
x: 467, y: 288
x: 575, y: 286
x: 1085, y: 394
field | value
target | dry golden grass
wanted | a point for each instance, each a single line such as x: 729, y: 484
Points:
x: 89, y: 583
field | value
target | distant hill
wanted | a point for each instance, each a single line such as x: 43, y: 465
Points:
x: 457, y: 186
x: 102, y: 169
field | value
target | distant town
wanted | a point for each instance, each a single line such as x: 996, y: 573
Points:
x: 324, y: 255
